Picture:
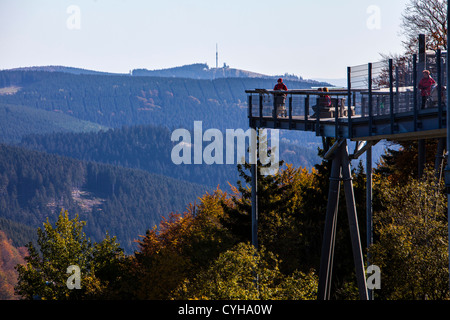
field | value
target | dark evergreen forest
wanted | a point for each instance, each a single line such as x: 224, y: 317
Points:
x: 149, y: 148
x: 125, y: 202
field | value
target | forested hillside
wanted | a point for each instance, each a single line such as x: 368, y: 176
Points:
x: 115, y: 100
x: 18, y: 121
x: 149, y: 148
x: 35, y: 186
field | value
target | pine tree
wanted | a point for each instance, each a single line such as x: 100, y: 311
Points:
x: 273, y: 198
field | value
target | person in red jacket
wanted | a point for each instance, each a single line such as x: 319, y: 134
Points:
x: 425, y: 85
x: 327, y: 98
x: 280, y: 99
x: 280, y: 85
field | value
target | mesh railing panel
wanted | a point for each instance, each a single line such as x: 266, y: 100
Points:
x: 402, y: 86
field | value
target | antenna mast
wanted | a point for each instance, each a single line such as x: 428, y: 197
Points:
x: 217, y: 57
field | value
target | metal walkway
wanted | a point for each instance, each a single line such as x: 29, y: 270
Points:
x: 405, y: 125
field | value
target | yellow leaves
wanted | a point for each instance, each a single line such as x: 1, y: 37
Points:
x: 245, y: 273
x: 411, y: 239
x: 179, y: 245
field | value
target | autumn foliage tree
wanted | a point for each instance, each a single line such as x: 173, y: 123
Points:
x: 427, y: 17
x: 9, y: 258
x: 410, y: 240
x: 179, y: 247
x: 245, y: 273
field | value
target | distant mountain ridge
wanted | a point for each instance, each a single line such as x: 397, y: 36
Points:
x: 199, y: 71
x: 203, y: 71
x: 117, y: 100
x: 64, y: 69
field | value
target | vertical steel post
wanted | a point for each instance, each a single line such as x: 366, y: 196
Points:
x: 319, y: 110
x: 306, y: 108
x: 391, y: 94
x: 250, y: 106
x: 290, y: 112
x: 439, y: 88
x: 370, y: 99
x: 422, y: 53
x: 260, y: 109
x: 369, y: 208
x: 447, y: 123
x: 254, y: 172
x: 397, y: 94
x: 415, y: 90
x: 422, y: 66
x: 336, y: 119
x: 349, y: 102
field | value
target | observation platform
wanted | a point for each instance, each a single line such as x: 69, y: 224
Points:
x: 384, y: 100
x: 405, y: 121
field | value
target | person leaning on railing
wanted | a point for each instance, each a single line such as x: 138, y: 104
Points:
x: 326, y: 98
x: 425, y: 85
x: 280, y: 99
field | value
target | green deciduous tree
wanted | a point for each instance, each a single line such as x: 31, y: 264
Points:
x: 44, y: 276
x: 410, y: 240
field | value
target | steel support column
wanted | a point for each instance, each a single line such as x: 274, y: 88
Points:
x: 353, y: 223
x: 447, y: 168
x: 329, y: 236
x: 369, y: 208
x: 340, y: 171
x: 422, y: 66
x: 254, y: 185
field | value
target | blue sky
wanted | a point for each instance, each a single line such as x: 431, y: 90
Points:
x: 310, y: 38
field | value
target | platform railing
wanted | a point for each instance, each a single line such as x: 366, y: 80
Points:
x: 382, y: 89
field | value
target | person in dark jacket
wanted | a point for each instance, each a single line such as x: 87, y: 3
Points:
x: 425, y: 85
x: 280, y: 99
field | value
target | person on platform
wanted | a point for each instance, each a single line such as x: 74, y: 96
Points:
x: 280, y: 98
x: 327, y: 98
x: 425, y: 85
